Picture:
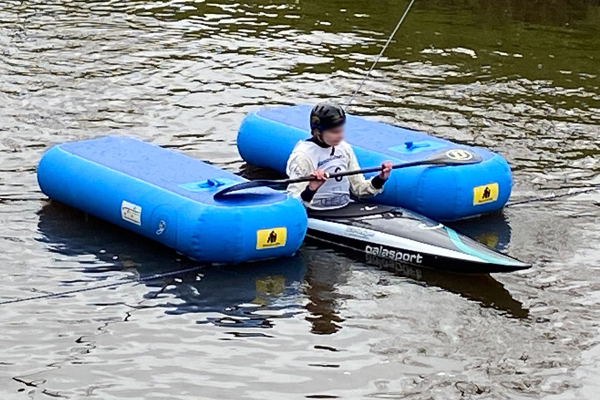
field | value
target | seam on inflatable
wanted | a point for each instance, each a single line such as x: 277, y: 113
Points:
x: 197, y: 235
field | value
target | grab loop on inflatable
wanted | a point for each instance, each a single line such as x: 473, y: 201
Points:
x: 207, y: 185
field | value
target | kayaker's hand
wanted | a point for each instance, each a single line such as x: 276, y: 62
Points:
x: 320, y: 178
x: 386, y: 170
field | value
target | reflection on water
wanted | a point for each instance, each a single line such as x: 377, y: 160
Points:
x: 521, y: 78
x: 325, y: 273
x: 240, y: 293
x: 483, y: 289
x: 250, y: 295
x: 493, y: 230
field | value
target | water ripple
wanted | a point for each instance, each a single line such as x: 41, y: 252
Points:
x: 519, y: 78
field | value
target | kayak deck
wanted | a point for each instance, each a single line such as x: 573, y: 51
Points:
x: 407, y: 238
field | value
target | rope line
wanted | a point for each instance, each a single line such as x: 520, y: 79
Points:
x: 380, y: 55
x: 552, y: 197
x: 104, y: 286
x: 16, y: 199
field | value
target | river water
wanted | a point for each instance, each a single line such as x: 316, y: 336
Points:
x: 519, y: 77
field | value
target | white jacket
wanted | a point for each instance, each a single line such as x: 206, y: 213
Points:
x: 308, y: 156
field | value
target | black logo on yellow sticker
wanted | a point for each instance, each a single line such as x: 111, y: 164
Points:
x: 485, y: 194
x: 270, y: 238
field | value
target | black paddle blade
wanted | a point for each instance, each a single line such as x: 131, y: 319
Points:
x: 456, y: 156
x: 248, y: 185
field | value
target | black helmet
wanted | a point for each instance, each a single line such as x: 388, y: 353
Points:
x: 326, y: 116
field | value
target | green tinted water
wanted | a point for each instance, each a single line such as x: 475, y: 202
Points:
x: 521, y: 78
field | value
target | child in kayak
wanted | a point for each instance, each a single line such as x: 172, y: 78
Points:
x: 324, y: 153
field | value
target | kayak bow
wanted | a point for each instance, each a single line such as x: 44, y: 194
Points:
x: 407, y: 238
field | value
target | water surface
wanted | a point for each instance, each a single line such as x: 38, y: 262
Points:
x: 521, y: 78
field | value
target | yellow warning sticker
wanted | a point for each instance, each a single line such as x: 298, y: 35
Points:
x: 269, y: 238
x: 485, y: 194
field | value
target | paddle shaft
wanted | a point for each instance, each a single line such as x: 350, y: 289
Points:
x: 444, y: 157
x: 361, y: 171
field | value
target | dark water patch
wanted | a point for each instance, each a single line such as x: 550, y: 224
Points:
x: 521, y: 78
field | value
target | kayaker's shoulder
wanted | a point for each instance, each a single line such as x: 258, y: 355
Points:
x: 301, y: 150
x: 304, y: 146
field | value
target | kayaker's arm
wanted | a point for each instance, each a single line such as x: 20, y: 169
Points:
x: 358, y: 184
x: 299, y: 165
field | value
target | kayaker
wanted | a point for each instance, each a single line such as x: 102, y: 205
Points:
x: 326, y: 152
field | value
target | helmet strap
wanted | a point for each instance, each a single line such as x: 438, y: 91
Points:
x: 318, y: 138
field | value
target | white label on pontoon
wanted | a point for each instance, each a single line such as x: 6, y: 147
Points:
x: 131, y: 212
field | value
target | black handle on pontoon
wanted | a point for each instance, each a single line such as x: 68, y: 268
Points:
x: 444, y: 158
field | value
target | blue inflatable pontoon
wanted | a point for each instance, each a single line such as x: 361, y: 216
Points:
x: 168, y: 197
x: 266, y: 139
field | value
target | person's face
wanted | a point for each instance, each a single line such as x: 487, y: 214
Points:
x: 334, y: 136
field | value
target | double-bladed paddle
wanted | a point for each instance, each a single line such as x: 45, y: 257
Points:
x: 442, y: 158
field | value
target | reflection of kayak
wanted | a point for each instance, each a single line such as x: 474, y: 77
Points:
x: 327, y: 269
x: 238, y: 296
x: 406, y: 238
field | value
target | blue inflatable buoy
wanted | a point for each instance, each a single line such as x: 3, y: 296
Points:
x: 266, y: 139
x: 168, y: 197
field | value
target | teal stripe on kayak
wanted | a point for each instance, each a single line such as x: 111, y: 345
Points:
x: 472, y: 252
